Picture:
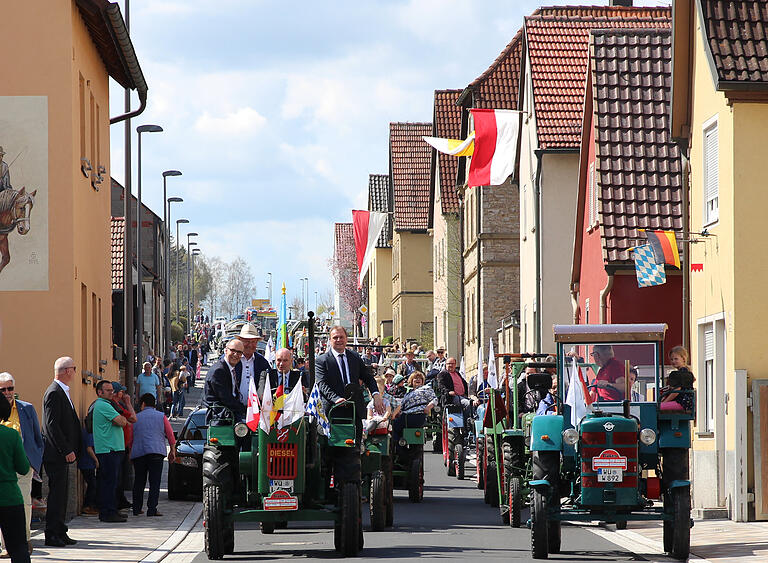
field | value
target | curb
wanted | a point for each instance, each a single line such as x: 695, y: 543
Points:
x: 630, y: 541
x: 176, y: 537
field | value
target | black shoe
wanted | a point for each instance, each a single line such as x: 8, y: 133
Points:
x: 67, y: 540
x: 55, y: 541
x: 153, y: 514
x: 113, y: 518
x: 124, y: 504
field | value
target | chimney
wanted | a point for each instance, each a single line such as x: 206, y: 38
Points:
x: 627, y: 3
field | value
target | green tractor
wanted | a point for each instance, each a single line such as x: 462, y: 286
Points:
x: 408, y: 458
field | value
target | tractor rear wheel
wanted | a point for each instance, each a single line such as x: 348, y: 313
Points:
x: 461, y: 459
x: 515, y: 501
x: 347, y: 530
x: 386, y: 468
x: 450, y: 468
x: 378, y: 501
x: 479, y: 464
x: 416, y: 480
x: 491, y: 485
x: 539, y: 528
x: 681, y: 537
x: 213, y: 514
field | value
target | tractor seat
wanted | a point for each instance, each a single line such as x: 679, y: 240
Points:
x: 379, y: 432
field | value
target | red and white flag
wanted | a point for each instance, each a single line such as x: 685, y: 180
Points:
x: 265, y: 419
x: 254, y: 408
x: 367, y: 226
x: 496, y: 136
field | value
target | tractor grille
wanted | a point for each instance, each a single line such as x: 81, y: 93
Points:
x: 594, y: 443
x: 282, y: 461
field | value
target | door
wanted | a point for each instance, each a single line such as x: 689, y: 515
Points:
x: 760, y: 434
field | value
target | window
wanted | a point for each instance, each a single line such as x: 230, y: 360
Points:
x: 524, y: 214
x: 706, y: 402
x: 586, y: 311
x: 82, y: 116
x: 592, y: 193
x: 711, y: 174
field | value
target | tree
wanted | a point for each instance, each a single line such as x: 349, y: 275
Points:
x: 296, y: 308
x: 324, y: 301
x: 344, y: 268
x: 238, y: 287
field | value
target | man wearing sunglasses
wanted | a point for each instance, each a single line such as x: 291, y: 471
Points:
x: 222, y: 384
x: 23, y: 419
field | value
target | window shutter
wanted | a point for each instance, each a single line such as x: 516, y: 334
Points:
x: 709, y: 344
x: 711, y: 174
x: 592, y: 195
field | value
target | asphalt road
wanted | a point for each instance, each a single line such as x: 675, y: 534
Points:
x: 452, y: 523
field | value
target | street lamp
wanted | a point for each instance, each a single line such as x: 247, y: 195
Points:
x: 178, y: 283
x: 270, y: 289
x: 195, y: 252
x: 140, y: 294
x: 189, y: 245
x: 315, y: 302
x: 167, y: 285
x: 306, y: 303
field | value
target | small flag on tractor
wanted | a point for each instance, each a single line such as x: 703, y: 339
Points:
x: 649, y: 273
x: 254, y: 408
x: 664, y: 246
x: 315, y: 410
x: 265, y: 422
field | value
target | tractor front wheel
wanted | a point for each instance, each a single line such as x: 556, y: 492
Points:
x: 215, y: 525
x: 539, y: 528
x: 378, y: 501
x: 515, y: 501
x: 416, y: 480
x: 479, y: 458
x: 491, y: 495
x: 681, y: 536
x: 267, y: 527
x: 437, y: 443
x: 347, y: 530
x: 386, y: 467
x: 461, y: 458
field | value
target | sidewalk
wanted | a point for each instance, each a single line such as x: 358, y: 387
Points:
x: 141, y: 538
x: 717, y: 541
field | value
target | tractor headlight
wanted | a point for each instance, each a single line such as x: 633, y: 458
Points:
x: 402, y: 442
x: 241, y: 430
x: 570, y: 436
x: 647, y: 436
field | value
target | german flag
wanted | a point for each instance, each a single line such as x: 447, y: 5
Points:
x: 664, y: 247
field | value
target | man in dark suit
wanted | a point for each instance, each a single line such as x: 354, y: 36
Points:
x: 61, y: 442
x: 253, y: 364
x: 283, y: 375
x: 222, y: 384
x: 339, y: 367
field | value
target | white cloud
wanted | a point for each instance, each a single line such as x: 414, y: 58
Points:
x: 242, y: 122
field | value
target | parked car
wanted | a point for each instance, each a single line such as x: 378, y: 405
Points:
x: 185, y: 475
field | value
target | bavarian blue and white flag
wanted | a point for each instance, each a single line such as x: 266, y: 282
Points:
x: 649, y: 273
x: 316, y: 411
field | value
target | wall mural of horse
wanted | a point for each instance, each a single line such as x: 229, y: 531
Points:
x: 15, y: 213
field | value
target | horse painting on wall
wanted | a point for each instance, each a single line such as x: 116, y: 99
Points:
x: 23, y: 187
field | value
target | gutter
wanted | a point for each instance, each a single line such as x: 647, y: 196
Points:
x: 575, y: 301
x: 537, y: 226
x: 121, y: 37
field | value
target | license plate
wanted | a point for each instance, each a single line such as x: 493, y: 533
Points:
x: 280, y: 485
x: 610, y: 475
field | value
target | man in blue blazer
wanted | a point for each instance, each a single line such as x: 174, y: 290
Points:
x: 24, y: 414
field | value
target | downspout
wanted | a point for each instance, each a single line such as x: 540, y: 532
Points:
x: 120, y: 35
x: 686, y: 260
x: 604, y: 298
x: 575, y: 301
x: 537, y: 239
x: 461, y: 246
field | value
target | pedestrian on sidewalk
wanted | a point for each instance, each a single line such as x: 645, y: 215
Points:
x: 61, y: 442
x: 122, y: 403
x: 150, y: 434
x: 109, y: 445
x: 23, y: 419
x: 13, y: 463
x: 177, y: 386
x: 147, y: 382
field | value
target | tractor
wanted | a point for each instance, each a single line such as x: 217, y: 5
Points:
x: 408, y: 458
x: 377, y: 477
x: 611, y: 452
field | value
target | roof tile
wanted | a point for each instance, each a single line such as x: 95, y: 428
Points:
x: 640, y: 174
x: 409, y: 158
x: 447, y: 125
x: 344, y: 248
x: 117, y: 230
x: 380, y: 199
x: 557, y: 40
x: 498, y: 86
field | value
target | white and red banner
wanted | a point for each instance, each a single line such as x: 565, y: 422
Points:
x: 367, y: 226
x: 496, y: 136
x: 265, y: 418
x: 254, y: 408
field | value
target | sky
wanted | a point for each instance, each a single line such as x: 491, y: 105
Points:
x: 277, y: 112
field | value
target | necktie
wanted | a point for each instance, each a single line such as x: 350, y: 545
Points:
x: 343, y: 370
x: 236, y: 386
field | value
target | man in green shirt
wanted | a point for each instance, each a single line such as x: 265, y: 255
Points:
x: 109, y: 445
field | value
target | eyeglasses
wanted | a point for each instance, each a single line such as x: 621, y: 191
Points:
x: 4, y: 389
x: 238, y: 352
x: 73, y: 368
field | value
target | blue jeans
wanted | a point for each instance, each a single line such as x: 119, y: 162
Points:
x: 109, y: 469
x: 152, y: 465
x: 179, y: 402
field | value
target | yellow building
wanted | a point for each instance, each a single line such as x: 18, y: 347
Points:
x: 409, y: 158
x: 719, y: 117
x: 55, y: 293
x: 380, y: 270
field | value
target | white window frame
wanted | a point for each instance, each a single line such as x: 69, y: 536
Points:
x: 710, y: 172
x: 592, y: 193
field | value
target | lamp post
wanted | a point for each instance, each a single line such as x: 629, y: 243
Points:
x: 306, y: 303
x: 195, y: 252
x: 270, y: 288
x: 178, y: 282
x: 189, y: 245
x: 140, y: 289
x: 315, y: 302
x: 167, y: 264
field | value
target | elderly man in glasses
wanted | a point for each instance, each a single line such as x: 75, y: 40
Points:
x: 610, y: 376
x: 23, y: 419
x: 222, y: 384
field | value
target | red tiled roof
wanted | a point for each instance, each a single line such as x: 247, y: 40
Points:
x: 637, y: 163
x: 498, y: 86
x: 447, y: 124
x: 409, y: 159
x: 116, y: 245
x: 379, y: 199
x: 736, y: 34
x: 556, y: 40
x: 344, y: 248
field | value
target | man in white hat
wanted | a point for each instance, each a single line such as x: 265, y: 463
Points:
x: 5, y: 173
x: 253, y: 363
